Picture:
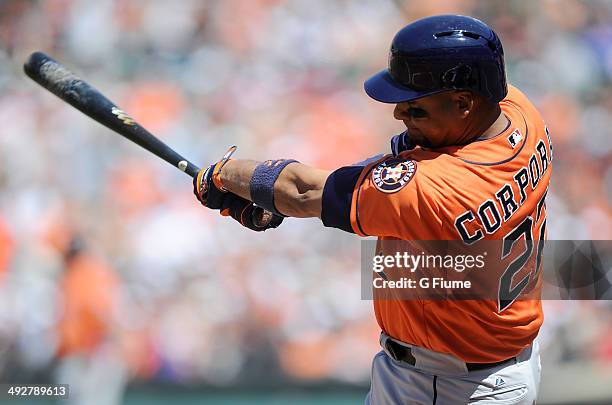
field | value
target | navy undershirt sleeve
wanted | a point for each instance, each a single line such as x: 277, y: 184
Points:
x: 337, y: 197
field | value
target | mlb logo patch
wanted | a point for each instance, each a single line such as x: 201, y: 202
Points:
x: 392, y: 175
x: 515, y: 138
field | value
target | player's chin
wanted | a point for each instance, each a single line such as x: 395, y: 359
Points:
x: 420, y: 140
x: 417, y: 137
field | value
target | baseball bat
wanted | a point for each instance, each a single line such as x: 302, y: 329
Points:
x: 54, y: 77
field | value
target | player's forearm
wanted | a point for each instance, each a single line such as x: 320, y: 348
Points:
x: 297, y: 192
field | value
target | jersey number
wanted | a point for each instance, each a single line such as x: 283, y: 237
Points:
x: 508, y: 294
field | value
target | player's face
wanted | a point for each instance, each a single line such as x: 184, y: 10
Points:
x: 434, y: 121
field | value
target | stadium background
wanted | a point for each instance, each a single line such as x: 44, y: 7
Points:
x: 112, y: 276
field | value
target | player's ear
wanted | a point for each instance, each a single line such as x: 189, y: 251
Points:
x: 464, y: 102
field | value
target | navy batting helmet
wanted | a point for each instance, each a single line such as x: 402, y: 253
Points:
x: 441, y: 53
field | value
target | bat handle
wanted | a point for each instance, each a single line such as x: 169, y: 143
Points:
x: 261, y: 217
x: 193, y: 170
x: 188, y: 167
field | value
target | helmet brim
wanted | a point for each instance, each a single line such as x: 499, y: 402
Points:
x: 381, y: 87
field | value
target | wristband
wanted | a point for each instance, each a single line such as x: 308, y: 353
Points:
x: 262, y: 183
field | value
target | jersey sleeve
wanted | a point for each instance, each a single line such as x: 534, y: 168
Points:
x: 338, y: 194
x: 390, y: 197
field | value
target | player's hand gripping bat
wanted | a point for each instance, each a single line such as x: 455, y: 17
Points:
x: 81, y: 95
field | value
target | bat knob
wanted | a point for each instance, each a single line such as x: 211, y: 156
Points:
x: 261, y: 217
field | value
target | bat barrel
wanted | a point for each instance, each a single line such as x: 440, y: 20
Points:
x: 54, y: 77
x: 34, y: 62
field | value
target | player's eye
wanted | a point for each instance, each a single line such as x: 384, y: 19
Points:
x: 416, y: 112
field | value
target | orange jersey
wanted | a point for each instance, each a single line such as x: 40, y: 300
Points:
x: 90, y: 292
x: 487, y: 189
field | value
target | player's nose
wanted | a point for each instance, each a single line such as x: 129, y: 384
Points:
x: 400, y: 112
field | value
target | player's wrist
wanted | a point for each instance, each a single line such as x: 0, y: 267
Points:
x: 217, y: 178
x: 225, y: 177
x: 262, y: 182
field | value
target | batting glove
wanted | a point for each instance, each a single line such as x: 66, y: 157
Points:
x: 248, y: 214
x: 210, y: 192
x: 205, y: 189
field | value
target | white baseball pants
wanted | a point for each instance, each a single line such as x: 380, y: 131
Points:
x: 442, y: 379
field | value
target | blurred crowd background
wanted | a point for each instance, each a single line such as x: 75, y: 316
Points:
x: 111, y: 274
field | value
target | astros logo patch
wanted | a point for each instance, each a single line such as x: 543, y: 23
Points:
x: 390, y: 176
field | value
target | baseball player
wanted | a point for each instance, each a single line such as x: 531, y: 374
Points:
x: 473, y: 164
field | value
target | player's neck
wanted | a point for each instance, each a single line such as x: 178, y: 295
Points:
x: 499, y: 125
